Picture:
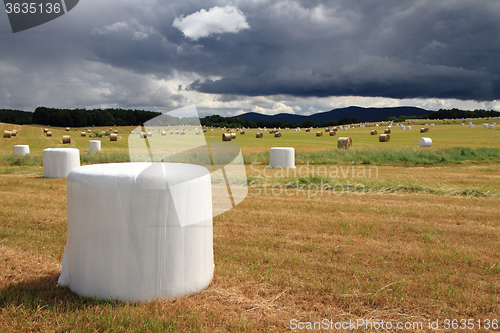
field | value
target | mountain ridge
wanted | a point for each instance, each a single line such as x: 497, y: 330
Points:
x: 361, y: 113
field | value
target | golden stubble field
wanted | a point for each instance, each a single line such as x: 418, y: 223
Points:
x: 412, y: 245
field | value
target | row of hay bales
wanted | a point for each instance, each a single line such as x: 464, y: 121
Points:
x: 9, y: 134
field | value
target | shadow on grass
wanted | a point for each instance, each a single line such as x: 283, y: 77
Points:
x: 44, y: 292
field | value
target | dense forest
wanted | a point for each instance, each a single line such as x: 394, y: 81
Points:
x: 457, y: 114
x: 120, y: 117
x: 219, y: 121
x: 77, y: 117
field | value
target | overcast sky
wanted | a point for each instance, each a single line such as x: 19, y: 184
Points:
x: 230, y: 57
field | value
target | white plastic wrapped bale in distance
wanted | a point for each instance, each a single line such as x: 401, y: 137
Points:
x: 408, y: 128
x: 485, y: 125
x: 471, y: 125
x: 492, y: 126
x: 282, y: 157
x: 58, y: 162
x: 425, y: 142
x: 21, y: 150
x: 432, y: 125
x: 94, y: 145
x: 462, y: 124
x: 498, y: 127
x: 160, y: 246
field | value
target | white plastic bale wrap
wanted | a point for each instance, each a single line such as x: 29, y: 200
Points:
x: 138, y: 231
x: 58, y: 162
x: 282, y: 157
x: 21, y: 150
x: 94, y: 145
x: 425, y: 142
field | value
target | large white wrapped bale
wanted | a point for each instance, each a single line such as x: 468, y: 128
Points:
x: 282, y: 157
x: 58, y: 162
x: 94, y: 145
x: 21, y: 150
x: 138, y: 231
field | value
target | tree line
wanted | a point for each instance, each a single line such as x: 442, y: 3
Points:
x: 456, y: 114
x: 120, y: 117
x: 77, y: 117
x: 230, y: 122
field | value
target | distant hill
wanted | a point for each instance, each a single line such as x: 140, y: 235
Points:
x: 363, y: 114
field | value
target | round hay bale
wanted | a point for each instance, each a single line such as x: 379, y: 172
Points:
x: 89, y: 131
x: 177, y: 132
x: 143, y: 135
x: 116, y: 131
x: 373, y: 132
x: 67, y: 129
x: 277, y: 135
x: 384, y: 138
x: 183, y: 133
x: 94, y: 145
x: 49, y: 134
x: 198, y: 133
x: 308, y: 130
x: 344, y: 142
x: 259, y: 135
x: 205, y: 130
x: 242, y: 132
x: 425, y: 142
x: 21, y: 150
x: 424, y: 130
x: 226, y: 137
x: 45, y: 130
x: 13, y: 132
x: 149, y: 134
x: 319, y: 133
x: 327, y: 130
x: 58, y: 162
x: 7, y: 134
x: 163, y: 133
x: 83, y: 133
x: 333, y: 133
x: 387, y: 131
x: 233, y: 135
x: 113, y: 137
x: 282, y: 157
x: 66, y: 139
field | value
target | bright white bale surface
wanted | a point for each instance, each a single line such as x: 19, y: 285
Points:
x: 58, y: 162
x: 425, y: 142
x: 21, y: 150
x: 282, y: 157
x: 138, y: 231
x: 94, y: 145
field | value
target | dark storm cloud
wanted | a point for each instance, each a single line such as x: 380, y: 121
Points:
x: 391, y: 48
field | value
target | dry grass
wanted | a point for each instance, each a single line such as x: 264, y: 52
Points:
x: 379, y: 256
